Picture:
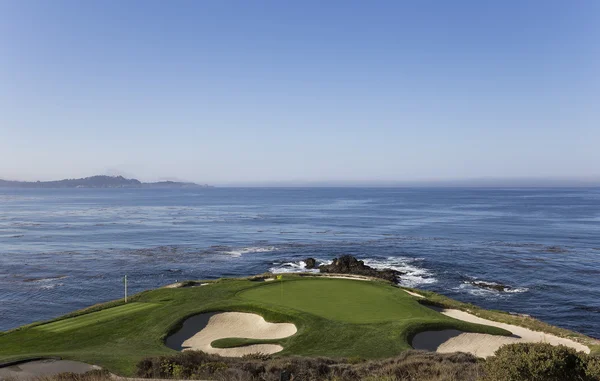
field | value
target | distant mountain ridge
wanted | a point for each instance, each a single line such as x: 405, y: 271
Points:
x: 96, y: 182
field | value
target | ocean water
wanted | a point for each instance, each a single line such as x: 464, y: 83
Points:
x: 66, y: 249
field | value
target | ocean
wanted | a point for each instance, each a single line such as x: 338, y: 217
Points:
x: 65, y: 249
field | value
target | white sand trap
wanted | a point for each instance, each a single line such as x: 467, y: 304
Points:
x: 344, y: 276
x: 414, y: 294
x: 180, y: 285
x: 484, y: 345
x: 48, y: 367
x: 242, y: 325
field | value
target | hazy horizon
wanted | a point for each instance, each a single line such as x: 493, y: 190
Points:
x: 270, y: 93
x: 488, y: 182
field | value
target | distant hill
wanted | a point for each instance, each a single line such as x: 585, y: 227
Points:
x: 96, y: 182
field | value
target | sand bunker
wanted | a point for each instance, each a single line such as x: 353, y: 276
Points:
x: 198, y: 332
x: 414, y: 294
x: 480, y: 344
x: 183, y: 285
x: 341, y: 276
x: 47, y: 367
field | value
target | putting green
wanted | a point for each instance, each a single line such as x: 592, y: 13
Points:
x: 344, y: 300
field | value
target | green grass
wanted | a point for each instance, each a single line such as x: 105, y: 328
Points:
x: 94, y: 317
x: 232, y: 342
x: 345, y: 300
x: 334, y: 317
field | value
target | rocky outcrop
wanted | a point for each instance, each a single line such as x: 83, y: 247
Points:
x: 556, y: 249
x: 347, y: 264
x: 311, y: 263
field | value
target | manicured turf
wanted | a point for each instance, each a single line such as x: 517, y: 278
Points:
x: 334, y: 317
x: 344, y: 300
x: 94, y: 317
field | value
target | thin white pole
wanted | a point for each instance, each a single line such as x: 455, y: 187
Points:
x: 125, y: 288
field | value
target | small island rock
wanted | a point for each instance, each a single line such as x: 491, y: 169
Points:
x: 311, y: 263
x: 347, y: 264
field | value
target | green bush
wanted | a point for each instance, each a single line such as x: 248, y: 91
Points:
x: 355, y: 360
x: 410, y: 365
x: 92, y: 375
x: 536, y: 362
x: 257, y: 356
x: 593, y: 368
x: 185, y: 365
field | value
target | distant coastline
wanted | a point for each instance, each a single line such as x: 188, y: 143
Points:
x: 98, y: 182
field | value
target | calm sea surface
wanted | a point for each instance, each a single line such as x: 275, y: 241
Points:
x: 62, y: 250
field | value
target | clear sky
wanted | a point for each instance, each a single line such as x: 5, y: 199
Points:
x: 297, y: 91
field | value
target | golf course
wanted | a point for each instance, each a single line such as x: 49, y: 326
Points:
x: 293, y: 315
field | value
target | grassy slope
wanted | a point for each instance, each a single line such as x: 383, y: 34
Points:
x: 336, y: 318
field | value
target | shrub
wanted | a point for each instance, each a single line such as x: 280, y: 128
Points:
x: 257, y: 356
x: 185, y: 365
x: 536, y: 362
x: 92, y: 375
x: 355, y: 360
x: 593, y: 368
x: 411, y: 365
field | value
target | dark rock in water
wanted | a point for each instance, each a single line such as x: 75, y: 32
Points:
x: 556, y: 249
x: 311, y: 263
x: 347, y: 264
x: 490, y: 286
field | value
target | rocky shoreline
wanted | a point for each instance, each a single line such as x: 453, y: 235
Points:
x: 348, y: 264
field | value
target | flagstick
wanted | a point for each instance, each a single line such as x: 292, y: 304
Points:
x: 125, y: 288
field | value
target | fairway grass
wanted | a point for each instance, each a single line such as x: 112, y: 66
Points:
x: 334, y: 318
x: 94, y: 317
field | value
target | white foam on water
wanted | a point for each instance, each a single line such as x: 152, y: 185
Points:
x: 487, y: 292
x: 413, y: 274
x: 249, y: 250
x: 45, y: 280
x: 51, y: 286
x: 517, y: 290
x: 294, y: 267
x: 291, y: 267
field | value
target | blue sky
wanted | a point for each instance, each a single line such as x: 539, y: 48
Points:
x: 276, y: 92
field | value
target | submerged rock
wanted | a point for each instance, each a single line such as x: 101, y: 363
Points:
x: 311, y: 263
x: 347, y: 264
x: 490, y: 286
x: 556, y: 249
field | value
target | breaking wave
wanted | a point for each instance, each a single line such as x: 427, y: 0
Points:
x: 474, y: 287
x: 414, y: 275
x: 294, y: 267
x: 45, y: 280
x: 51, y: 286
x: 250, y: 250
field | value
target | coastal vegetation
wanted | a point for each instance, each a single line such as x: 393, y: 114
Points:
x: 540, y: 362
x: 515, y: 362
